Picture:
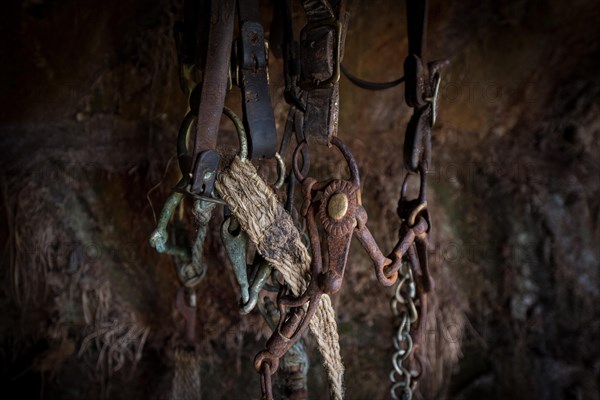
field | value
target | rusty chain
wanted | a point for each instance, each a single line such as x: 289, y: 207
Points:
x: 402, y: 377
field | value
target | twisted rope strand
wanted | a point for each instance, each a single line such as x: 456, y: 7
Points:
x: 273, y: 232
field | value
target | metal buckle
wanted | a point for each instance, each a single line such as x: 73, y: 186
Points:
x: 312, y: 61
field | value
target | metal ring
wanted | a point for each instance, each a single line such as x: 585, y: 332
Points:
x: 183, y: 156
x: 354, y: 173
x: 266, y: 357
x: 393, y: 377
x: 422, y: 184
x: 280, y: 171
x: 239, y: 127
x: 416, y: 211
x: 299, y: 173
x: 404, y: 387
x: 403, y: 353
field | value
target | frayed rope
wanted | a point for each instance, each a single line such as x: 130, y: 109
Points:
x: 272, y: 230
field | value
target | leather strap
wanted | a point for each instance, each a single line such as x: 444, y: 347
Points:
x: 416, y: 23
x: 212, y: 96
x: 415, y: 85
x: 420, y: 89
x: 320, y: 53
x: 259, y: 118
x: 291, y: 61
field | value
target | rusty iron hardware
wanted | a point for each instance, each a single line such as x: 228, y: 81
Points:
x: 212, y: 96
x: 294, y: 363
x: 410, y: 300
x: 409, y: 305
x: 405, y: 372
x: 294, y: 127
x: 332, y: 210
x: 189, y: 264
x: 421, y: 93
x: 186, y: 304
x: 337, y: 205
x: 265, y: 381
x: 420, y: 89
x: 183, y: 153
x: 292, y: 324
x: 291, y: 59
x: 321, y: 50
x: 341, y: 214
x: 203, y: 44
x: 318, y: 72
x: 294, y: 317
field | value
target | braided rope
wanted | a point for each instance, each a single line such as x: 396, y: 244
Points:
x: 186, y: 379
x: 276, y: 238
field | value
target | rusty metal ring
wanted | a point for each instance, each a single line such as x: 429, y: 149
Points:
x: 267, y: 385
x: 422, y: 184
x: 241, y: 131
x: 415, y: 212
x: 299, y: 173
x: 266, y: 357
x: 354, y: 173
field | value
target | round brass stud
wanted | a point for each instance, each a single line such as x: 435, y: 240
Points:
x: 337, y: 207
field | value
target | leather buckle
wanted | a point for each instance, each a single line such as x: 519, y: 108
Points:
x: 320, y: 54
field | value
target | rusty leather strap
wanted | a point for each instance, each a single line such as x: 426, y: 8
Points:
x: 259, y: 119
x: 212, y: 96
x: 320, y: 52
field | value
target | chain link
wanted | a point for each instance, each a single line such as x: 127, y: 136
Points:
x: 403, y: 307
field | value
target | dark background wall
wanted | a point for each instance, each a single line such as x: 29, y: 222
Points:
x: 89, y: 108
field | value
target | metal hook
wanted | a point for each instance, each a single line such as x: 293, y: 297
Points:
x: 235, y: 241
